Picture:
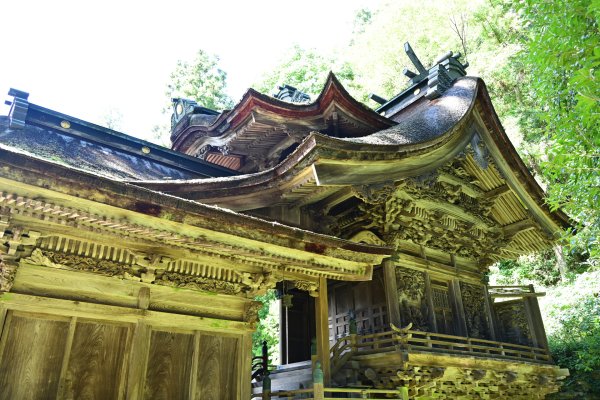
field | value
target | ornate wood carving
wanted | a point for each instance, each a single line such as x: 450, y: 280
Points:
x: 411, y: 298
x: 311, y: 287
x: 70, y: 261
x: 470, y: 382
x: 513, y: 321
x: 437, y: 215
x: 251, y: 311
x: 374, y: 194
x: 196, y: 283
x: 7, y: 275
x: 474, y: 306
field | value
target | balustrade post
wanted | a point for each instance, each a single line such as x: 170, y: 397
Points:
x: 313, y: 353
x: 403, y: 393
x: 318, y: 389
x: 266, y: 387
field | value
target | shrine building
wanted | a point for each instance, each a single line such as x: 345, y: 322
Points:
x: 130, y: 271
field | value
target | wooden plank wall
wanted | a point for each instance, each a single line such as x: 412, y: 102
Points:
x: 44, y: 356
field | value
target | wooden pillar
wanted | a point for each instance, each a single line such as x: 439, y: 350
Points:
x: 391, y: 292
x: 322, y: 329
x: 429, y: 298
x: 491, y: 315
x: 534, y: 318
x: 245, y: 361
x: 138, y: 360
x: 458, y: 308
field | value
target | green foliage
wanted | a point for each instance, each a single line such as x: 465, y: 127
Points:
x: 201, y: 80
x: 542, y: 268
x: 267, y: 327
x: 307, y: 70
x: 576, y: 345
x: 561, y: 51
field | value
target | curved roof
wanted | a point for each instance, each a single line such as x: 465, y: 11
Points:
x: 429, y: 135
x: 260, y: 121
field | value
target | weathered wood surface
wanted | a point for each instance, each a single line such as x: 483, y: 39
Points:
x: 56, y: 356
x: 31, y: 354
x: 97, y: 362
x: 217, y: 369
x: 53, y: 282
x: 169, y: 365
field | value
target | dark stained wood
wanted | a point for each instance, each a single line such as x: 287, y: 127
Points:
x: 31, y: 361
x: 217, y: 375
x: 169, y: 365
x: 96, y: 364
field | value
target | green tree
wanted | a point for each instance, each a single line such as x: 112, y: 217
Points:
x: 306, y: 70
x: 561, y: 51
x: 201, y: 80
x: 267, y: 328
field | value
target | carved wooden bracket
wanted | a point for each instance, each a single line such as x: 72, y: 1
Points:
x: 311, y: 287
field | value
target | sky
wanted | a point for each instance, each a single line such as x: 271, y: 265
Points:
x: 89, y: 59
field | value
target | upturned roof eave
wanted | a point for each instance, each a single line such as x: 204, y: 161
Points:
x: 74, y: 183
x: 333, y: 92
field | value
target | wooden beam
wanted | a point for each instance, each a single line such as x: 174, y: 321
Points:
x: 519, y: 226
x: 499, y: 191
x: 331, y: 201
x: 519, y: 295
x: 322, y: 329
x: 467, y: 188
x: 391, y: 292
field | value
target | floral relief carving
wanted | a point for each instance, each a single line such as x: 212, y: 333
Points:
x: 74, y: 262
x: 311, y: 287
x: 513, y: 320
x: 412, y: 302
x: 7, y: 276
x: 174, y: 279
x: 251, y: 311
x: 473, y: 298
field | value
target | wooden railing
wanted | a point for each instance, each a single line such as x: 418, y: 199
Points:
x: 341, y: 393
x: 409, y: 340
x: 513, y: 291
x: 319, y: 392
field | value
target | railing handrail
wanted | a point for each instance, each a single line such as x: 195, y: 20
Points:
x: 363, y: 391
x: 430, y: 341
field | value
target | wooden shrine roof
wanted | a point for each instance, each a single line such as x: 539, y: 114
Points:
x: 456, y: 138
x: 260, y: 125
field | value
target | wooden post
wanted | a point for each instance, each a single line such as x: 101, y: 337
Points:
x: 318, y: 386
x: 322, y: 328
x: 391, y: 291
x: 313, y: 353
x: 245, y: 360
x: 429, y: 298
x: 403, y: 392
x: 534, y: 318
x: 494, y: 333
x: 459, y: 310
x: 139, y: 359
x: 266, y: 387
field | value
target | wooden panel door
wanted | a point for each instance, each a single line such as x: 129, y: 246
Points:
x: 31, y: 355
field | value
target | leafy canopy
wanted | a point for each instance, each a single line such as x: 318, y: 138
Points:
x: 201, y: 80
